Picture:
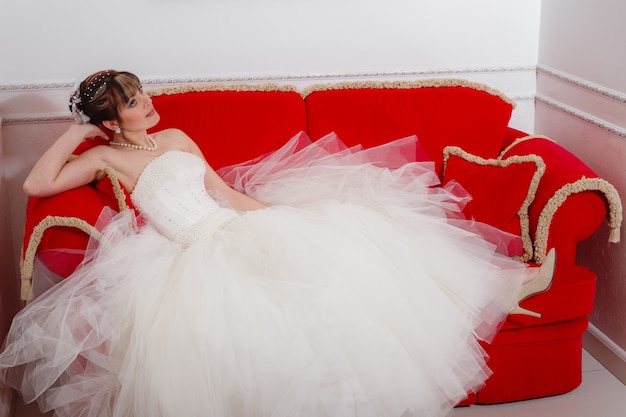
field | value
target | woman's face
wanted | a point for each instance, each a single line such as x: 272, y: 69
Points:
x: 138, y: 114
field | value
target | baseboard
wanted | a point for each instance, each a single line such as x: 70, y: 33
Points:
x: 611, y: 356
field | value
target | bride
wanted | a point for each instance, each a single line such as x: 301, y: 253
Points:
x: 324, y: 285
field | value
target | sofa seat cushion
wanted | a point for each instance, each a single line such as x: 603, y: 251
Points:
x: 570, y: 296
x: 441, y: 112
x: 534, y: 361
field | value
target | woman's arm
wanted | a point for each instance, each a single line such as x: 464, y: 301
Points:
x: 235, y: 199
x: 53, y: 174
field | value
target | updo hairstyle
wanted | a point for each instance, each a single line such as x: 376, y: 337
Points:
x: 101, y: 95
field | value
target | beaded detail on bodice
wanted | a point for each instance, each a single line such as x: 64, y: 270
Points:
x: 170, y: 193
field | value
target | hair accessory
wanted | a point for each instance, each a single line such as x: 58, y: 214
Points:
x: 96, y: 86
x: 75, y: 107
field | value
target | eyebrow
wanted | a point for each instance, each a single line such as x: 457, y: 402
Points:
x: 131, y: 98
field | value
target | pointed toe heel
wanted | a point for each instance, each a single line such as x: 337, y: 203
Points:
x: 539, y: 284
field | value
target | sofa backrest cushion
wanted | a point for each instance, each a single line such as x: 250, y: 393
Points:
x: 232, y: 123
x: 441, y: 112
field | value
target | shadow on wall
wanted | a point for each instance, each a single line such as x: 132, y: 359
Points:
x: 9, y: 284
x: 21, y: 143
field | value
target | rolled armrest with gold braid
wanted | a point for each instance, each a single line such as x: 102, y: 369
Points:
x: 584, y: 184
x: 571, y: 201
x: 35, y: 239
x: 67, y: 221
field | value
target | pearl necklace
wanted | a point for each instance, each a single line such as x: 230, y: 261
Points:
x: 153, y: 144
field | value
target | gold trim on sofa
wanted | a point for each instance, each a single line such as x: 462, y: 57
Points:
x: 426, y: 83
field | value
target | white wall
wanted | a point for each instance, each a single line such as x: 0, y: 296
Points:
x: 54, y: 44
x: 581, y: 97
x: 67, y: 39
x: 585, y: 38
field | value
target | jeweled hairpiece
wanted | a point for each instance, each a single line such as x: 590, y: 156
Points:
x: 97, y: 86
x: 94, y: 90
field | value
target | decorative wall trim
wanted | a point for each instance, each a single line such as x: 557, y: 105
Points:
x: 344, y: 76
x: 607, y: 352
x: 287, y: 77
x: 39, y: 118
x: 306, y: 79
x: 36, y: 86
x: 609, y: 127
x: 525, y: 97
x: 578, y: 82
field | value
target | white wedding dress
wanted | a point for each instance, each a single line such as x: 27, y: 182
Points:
x: 358, y: 292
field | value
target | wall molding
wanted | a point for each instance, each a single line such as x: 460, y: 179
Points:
x: 286, y: 77
x: 38, y: 118
x: 585, y: 97
x: 579, y: 82
x: 302, y: 80
x: 571, y: 111
x: 442, y: 72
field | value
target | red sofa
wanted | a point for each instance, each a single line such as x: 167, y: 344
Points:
x: 527, y: 185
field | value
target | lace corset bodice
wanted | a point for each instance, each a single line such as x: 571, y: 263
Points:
x: 170, y: 193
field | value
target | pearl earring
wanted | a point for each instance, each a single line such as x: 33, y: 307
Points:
x: 118, y: 130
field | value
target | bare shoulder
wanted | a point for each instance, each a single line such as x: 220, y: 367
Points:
x: 174, y: 139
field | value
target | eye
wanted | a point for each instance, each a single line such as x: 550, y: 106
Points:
x: 132, y: 102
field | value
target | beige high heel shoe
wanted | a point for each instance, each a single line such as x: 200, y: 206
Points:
x: 539, y: 284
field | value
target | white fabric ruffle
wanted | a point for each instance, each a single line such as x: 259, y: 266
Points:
x: 352, y: 295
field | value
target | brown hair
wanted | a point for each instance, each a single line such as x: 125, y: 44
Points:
x: 103, y: 93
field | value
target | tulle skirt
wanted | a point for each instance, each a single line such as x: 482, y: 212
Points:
x: 360, y: 291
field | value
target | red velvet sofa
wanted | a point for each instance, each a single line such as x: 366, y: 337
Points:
x: 528, y: 185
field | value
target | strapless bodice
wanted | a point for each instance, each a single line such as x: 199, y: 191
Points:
x: 170, y: 193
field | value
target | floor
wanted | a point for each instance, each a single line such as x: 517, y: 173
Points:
x: 599, y: 395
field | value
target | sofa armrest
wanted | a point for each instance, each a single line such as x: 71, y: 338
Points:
x: 62, y: 225
x: 574, y: 213
x: 570, y: 203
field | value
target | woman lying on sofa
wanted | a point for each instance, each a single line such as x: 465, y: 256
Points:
x: 351, y: 294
